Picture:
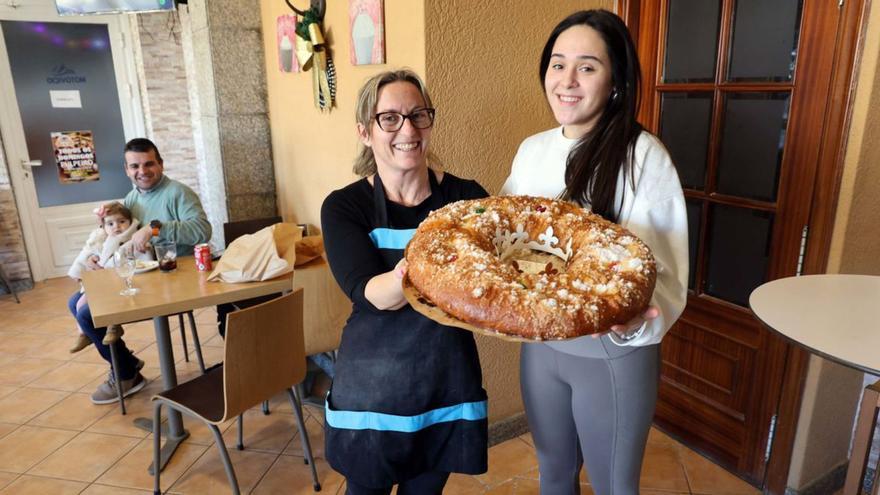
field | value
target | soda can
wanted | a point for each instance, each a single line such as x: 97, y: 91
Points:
x: 202, y: 254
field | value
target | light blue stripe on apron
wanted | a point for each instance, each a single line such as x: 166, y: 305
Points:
x: 391, y: 238
x: 366, y: 420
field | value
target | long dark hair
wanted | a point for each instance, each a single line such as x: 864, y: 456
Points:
x: 594, y: 163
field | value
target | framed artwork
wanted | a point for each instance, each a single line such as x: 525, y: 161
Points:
x: 286, y: 43
x: 367, y: 22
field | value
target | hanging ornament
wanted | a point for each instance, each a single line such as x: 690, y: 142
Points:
x: 313, y: 54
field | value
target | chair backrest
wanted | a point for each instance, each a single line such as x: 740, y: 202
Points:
x: 234, y: 230
x: 263, y: 352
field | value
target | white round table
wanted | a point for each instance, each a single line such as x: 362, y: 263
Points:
x: 836, y: 317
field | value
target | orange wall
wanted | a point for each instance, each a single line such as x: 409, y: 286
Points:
x: 482, y: 65
x: 313, y: 151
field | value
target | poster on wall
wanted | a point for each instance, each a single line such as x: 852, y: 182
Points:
x: 367, y: 26
x: 285, y: 29
x: 75, y: 156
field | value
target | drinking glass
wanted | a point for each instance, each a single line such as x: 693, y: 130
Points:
x: 125, y: 266
x: 166, y: 254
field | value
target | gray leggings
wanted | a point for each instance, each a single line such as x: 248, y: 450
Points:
x: 607, y: 403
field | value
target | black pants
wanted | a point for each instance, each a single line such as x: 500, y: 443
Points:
x: 430, y: 483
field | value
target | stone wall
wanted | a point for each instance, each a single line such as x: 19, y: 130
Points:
x: 13, y: 257
x: 231, y: 83
x: 164, y: 95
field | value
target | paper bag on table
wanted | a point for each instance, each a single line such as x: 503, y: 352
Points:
x: 266, y: 254
x: 309, y: 248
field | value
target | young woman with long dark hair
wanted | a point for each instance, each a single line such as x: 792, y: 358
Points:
x: 591, y: 400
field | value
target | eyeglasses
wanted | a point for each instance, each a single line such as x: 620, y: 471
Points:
x: 393, y: 121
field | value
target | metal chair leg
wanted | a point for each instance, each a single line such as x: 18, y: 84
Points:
x: 224, y: 456
x: 240, y: 445
x: 8, y: 284
x: 196, y: 344
x: 183, y: 337
x: 157, y: 445
x: 301, y: 390
x: 304, y: 436
x: 114, y: 364
x: 266, y: 407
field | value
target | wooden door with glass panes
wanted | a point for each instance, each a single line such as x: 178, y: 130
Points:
x: 738, y: 91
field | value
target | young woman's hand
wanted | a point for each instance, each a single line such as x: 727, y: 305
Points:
x: 634, y: 324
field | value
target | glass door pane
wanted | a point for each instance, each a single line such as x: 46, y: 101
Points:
x: 765, y: 40
x: 691, y: 42
x: 685, y: 122
x: 752, y: 141
x: 738, y: 251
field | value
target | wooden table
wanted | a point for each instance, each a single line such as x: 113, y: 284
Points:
x: 833, y: 316
x: 162, y: 294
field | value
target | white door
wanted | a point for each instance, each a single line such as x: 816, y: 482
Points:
x: 68, y: 103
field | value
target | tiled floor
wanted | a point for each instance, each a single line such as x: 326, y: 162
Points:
x: 54, y: 440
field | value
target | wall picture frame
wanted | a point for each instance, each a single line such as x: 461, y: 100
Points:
x: 367, y: 32
x: 285, y: 28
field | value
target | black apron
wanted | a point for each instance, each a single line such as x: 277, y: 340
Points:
x: 407, y: 397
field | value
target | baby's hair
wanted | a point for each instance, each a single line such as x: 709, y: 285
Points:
x: 116, y: 208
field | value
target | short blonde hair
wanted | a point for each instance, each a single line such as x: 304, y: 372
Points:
x: 365, y: 112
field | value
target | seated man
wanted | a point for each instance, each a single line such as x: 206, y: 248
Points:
x: 171, y: 211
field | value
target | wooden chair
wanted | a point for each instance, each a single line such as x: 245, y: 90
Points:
x: 231, y: 232
x: 234, y: 230
x: 263, y: 355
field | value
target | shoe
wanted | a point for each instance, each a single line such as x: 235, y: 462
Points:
x: 139, y: 365
x: 106, y: 392
x: 81, y: 343
x: 114, y: 332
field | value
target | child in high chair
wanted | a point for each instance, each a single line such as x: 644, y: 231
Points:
x: 117, y: 227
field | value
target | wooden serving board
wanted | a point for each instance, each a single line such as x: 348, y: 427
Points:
x: 423, y: 305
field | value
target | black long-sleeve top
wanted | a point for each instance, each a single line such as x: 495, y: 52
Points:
x: 348, y: 219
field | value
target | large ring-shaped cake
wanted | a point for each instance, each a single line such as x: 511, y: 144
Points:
x: 532, y: 268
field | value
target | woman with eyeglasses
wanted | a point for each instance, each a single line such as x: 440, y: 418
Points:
x: 407, y: 406
x: 591, y: 400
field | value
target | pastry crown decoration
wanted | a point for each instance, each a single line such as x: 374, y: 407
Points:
x: 507, y: 242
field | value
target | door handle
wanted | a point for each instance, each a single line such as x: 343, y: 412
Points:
x: 27, y: 164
